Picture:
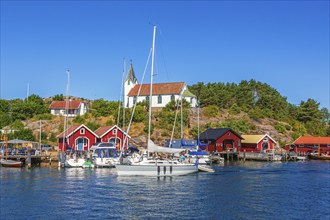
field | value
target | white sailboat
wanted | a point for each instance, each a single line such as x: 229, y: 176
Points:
x: 74, y: 160
x: 155, y: 167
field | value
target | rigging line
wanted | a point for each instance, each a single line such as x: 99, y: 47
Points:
x: 135, y: 104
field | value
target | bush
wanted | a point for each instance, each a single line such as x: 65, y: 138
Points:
x: 234, y: 110
x: 93, y: 126
x: 211, y: 111
x: 256, y: 113
x: 280, y: 128
x: 79, y: 120
x: 53, y: 138
x: 46, y: 116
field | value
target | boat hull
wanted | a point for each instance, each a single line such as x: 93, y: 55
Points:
x: 74, y: 162
x: 319, y: 157
x: 155, y: 170
x: 106, y: 162
x: 10, y: 163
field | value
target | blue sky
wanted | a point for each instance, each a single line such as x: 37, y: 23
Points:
x: 282, y: 43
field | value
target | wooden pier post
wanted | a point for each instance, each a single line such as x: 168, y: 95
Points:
x: 29, y: 158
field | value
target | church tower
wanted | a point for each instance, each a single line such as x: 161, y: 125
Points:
x: 129, y: 83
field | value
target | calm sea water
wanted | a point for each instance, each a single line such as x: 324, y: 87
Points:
x: 250, y: 190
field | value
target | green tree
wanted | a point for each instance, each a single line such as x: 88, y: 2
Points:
x: 58, y: 97
x: 309, y: 111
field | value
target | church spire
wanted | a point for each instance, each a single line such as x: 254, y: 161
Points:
x: 130, y: 75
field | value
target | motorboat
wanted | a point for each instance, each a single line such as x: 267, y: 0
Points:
x: 105, y: 154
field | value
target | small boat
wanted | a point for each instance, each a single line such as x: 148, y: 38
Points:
x: 204, y: 168
x: 105, y: 154
x: 301, y: 158
x: 72, y: 162
x: 88, y: 164
x: 10, y: 163
x: 319, y: 156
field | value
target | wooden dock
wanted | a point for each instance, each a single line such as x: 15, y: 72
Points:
x: 31, y: 159
x: 227, y: 155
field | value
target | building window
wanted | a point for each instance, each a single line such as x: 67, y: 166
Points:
x: 127, y: 102
x: 172, y: 97
x: 159, y: 99
x: 82, y: 131
x: 191, y: 99
x: 147, y: 98
x: 114, y: 131
x: 134, y: 100
x: 128, y: 82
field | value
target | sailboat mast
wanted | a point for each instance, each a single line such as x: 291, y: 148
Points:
x: 197, y: 125
x: 66, y: 107
x: 40, y: 135
x: 122, y: 98
x: 181, y: 120
x: 151, y: 80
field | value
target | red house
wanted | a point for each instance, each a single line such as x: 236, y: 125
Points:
x: 220, y: 139
x: 257, y: 143
x: 310, y: 143
x: 110, y: 133
x: 78, y: 137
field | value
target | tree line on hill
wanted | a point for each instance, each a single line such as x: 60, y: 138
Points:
x: 255, y: 99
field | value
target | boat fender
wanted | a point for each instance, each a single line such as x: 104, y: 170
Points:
x: 171, y: 169
x: 158, y: 170
x: 164, y: 169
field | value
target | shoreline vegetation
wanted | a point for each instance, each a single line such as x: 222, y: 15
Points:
x: 249, y: 107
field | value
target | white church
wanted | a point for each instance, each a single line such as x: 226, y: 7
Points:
x: 162, y: 93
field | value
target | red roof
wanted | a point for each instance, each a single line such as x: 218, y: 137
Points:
x: 312, y: 140
x: 157, y: 89
x: 73, y: 104
x: 101, y: 130
x: 68, y: 131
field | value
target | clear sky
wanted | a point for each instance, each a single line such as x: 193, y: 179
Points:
x: 282, y: 43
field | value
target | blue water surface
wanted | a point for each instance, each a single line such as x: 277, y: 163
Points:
x: 249, y: 190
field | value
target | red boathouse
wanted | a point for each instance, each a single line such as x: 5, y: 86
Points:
x: 220, y: 139
x: 257, y: 143
x: 113, y: 134
x: 309, y: 144
x: 78, y: 137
